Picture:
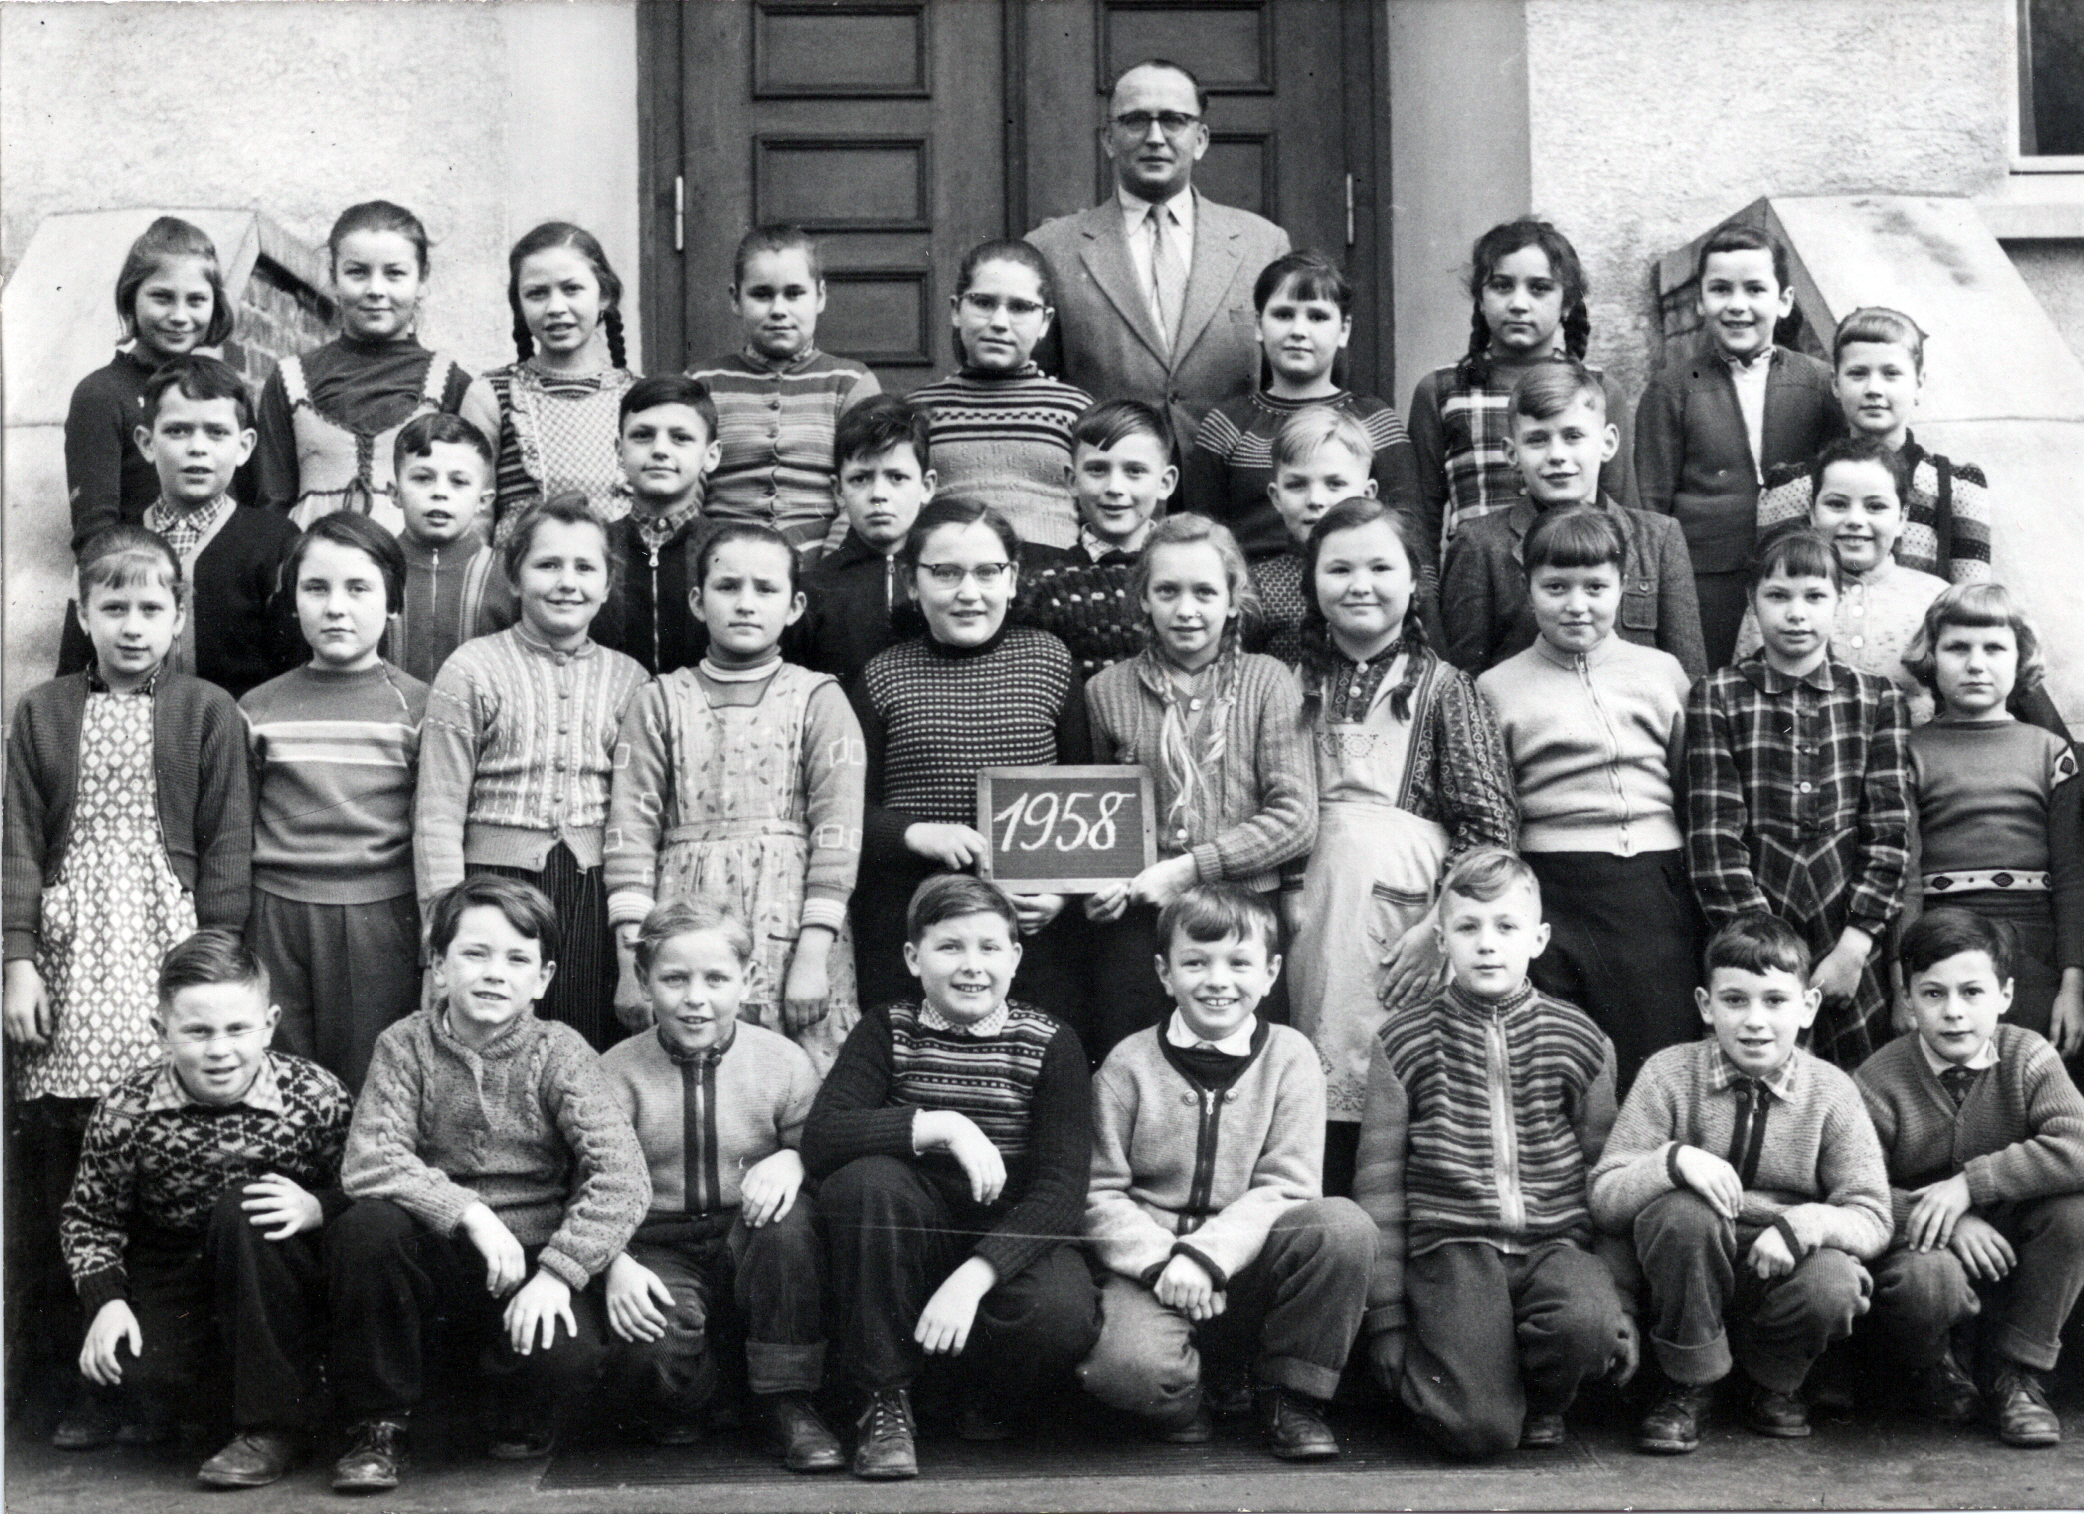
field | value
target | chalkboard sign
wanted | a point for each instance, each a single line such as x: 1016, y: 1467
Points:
x: 1065, y: 830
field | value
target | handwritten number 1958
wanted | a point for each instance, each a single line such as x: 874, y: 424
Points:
x: 1042, y: 812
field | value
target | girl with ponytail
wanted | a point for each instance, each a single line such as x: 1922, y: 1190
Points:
x: 1528, y: 291
x: 558, y: 404
x: 1410, y: 774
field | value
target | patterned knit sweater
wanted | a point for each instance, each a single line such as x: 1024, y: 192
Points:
x: 1785, y: 502
x: 1482, y: 1119
x: 1025, y: 1086
x: 2018, y: 1136
x: 920, y: 704
x: 1089, y: 605
x: 523, y: 1124
x: 515, y: 755
x: 1809, y: 1153
x: 1005, y: 440
x: 155, y: 1161
x: 1278, y: 580
x: 776, y: 426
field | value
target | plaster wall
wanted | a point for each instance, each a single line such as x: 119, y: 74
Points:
x: 2054, y: 271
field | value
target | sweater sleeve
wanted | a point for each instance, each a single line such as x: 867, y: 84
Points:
x: 1477, y: 796
x: 1289, y: 1170
x: 93, y: 1226
x: 1717, y: 816
x: 275, y: 454
x: 799, y: 1094
x: 834, y: 765
x: 1596, y: 1115
x: 1122, y: 1233
x: 640, y: 799
x: 223, y: 817
x: 1059, y: 1161
x: 1883, y: 1114
x: 865, y: 386
x: 1970, y: 562
x: 1854, y: 1213
x: 22, y: 824
x: 1660, y: 445
x: 614, y: 1183
x: 853, y: 1116
x: 1634, y: 1167
x: 1204, y: 474
x: 1074, y: 732
x: 1466, y: 605
x: 451, y: 736
x: 480, y: 406
x: 2051, y: 1159
x: 1429, y: 454
x: 382, y: 1160
x: 1378, y: 1187
x: 1678, y: 602
x: 2066, y: 860
x: 1285, y: 769
x: 1617, y: 474
x: 1876, y: 895
x: 97, y: 435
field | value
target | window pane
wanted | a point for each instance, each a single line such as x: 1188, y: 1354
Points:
x: 2054, y: 117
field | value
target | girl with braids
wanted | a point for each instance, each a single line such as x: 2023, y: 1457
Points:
x: 330, y: 418
x: 1528, y: 289
x: 1220, y: 730
x: 1595, y: 728
x: 558, y: 403
x: 1410, y: 776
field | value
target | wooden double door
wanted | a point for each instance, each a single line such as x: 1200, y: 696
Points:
x: 903, y: 132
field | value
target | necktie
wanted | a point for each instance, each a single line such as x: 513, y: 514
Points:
x: 1168, y: 275
x: 1957, y: 1081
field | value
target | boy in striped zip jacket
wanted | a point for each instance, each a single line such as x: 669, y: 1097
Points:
x: 1485, y: 1110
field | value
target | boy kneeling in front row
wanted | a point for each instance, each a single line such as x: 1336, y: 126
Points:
x: 191, y: 1230
x: 1206, y: 1204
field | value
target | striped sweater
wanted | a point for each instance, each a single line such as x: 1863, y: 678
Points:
x: 776, y: 426
x: 334, y: 755
x: 1481, y: 1121
x: 1005, y: 440
x: 515, y: 755
x: 1024, y: 1085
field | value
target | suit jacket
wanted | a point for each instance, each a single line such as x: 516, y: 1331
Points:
x: 1104, y: 339
x: 1693, y: 457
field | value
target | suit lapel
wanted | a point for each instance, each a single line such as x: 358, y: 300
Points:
x: 1778, y: 383
x: 1105, y: 254
x: 1216, y: 257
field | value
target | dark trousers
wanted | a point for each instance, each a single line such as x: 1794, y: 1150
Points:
x: 1494, y: 1337
x: 237, y: 1321
x: 1295, y: 1311
x: 1708, y: 1309
x: 1723, y: 597
x: 1920, y: 1296
x: 341, y: 974
x: 582, y: 995
x: 1127, y: 995
x: 732, y: 1287
x: 44, y: 1324
x: 893, y: 1233
x: 1624, y: 947
x: 389, y: 1276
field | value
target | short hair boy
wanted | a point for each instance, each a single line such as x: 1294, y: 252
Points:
x: 454, y: 587
x: 1470, y: 1251
x: 718, y: 1107
x: 220, y: 1162
x: 883, y: 474
x: 952, y: 1140
x: 1182, y: 1245
x: 668, y: 447
x: 1560, y: 436
x: 1749, y: 1175
x: 485, y: 1150
x: 1983, y: 1131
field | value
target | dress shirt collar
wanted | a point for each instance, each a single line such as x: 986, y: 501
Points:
x: 976, y: 1030
x: 1769, y: 679
x: 1102, y: 551
x: 169, y: 1092
x: 1237, y: 1044
x: 1986, y: 1057
x: 1136, y: 209
x: 1780, y: 1082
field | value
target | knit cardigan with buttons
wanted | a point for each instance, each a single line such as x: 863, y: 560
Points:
x: 2018, y: 1136
x: 1173, y: 1161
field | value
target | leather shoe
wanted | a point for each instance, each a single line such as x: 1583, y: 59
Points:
x: 1946, y: 1393
x: 1295, y: 1427
x: 1672, y: 1427
x: 2024, y: 1415
x: 1541, y: 1432
x: 375, y: 1455
x: 806, y: 1444
x: 1197, y: 1430
x: 91, y: 1422
x: 252, y: 1459
x: 1780, y: 1415
x: 884, y: 1437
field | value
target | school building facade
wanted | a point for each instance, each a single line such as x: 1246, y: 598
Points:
x: 1920, y: 152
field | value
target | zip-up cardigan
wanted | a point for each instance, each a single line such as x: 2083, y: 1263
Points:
x: 204, y: 792
x: 1482, y: 1121
x: 1184, y: 1168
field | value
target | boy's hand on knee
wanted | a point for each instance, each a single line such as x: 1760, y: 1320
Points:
x: 1770, y: 1257
x: 26, y: 1011
x: 959, y: 1135
x: 944, y: 1324
x: 1935, y: 1211
x: 637, y: 1297
x: 1386, y: 1357
x: 1186, y: 1286
x: 277, y: 1201
x: 113, y: 1324
x: 1981, y: 1249
x: 543, y: 1300
x: 1712, y: 1178
x: 770, y: 1187
x: 505, y: 1265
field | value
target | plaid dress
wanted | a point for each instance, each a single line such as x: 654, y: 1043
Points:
x: 1798, y: 804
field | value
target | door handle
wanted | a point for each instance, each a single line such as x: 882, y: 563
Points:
x: 1349, y: 210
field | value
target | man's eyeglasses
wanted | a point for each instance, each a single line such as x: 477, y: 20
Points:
x: 1012, y: 304
x: 1138, y: 122
x: 949, y: 574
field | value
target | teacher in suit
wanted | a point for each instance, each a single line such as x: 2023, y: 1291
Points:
x: 1154, y: 286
